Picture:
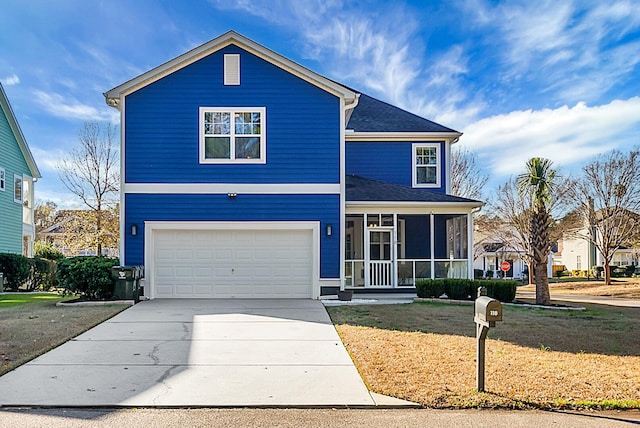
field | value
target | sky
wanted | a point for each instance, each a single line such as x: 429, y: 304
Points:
x: 558, y: 79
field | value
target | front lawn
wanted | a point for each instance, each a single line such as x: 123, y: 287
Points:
x: 31, y: 324
x: 425, y: 352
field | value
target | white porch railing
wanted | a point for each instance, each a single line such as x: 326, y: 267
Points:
x: 407, y: 271
x: 380, y: 273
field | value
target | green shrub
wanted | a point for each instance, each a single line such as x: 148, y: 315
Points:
x: 629, y: 271
x: 426, y: 288
x: 16, y: 270
x: 44, y: 274
x: 503, y: 290
x: 46, y: 251
x: 458, y: 289
x: 488, y: 274
x: 466, y: 289
x: 89, y: 277
x: 478, y: 273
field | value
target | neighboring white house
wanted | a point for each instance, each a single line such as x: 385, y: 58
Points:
x: 490, y: 251
x: 577, y: 253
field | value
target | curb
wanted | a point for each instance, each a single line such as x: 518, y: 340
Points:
x: 98, y: 303
x: 518, y: 305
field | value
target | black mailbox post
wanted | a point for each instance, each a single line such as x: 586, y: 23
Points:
x: 487, y: 312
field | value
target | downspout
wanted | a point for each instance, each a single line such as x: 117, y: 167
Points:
x: 348, y: 110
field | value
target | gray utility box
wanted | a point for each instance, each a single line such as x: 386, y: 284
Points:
x: 487, y: 311
x: 127, y: 286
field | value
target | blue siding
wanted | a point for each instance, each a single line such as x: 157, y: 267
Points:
x: 387, y: 162
x: 153, y: 207
x: 303, y: 125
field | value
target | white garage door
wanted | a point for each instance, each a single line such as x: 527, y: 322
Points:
x: 233, y: 263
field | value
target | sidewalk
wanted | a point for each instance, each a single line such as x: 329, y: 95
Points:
x: 578, y: 298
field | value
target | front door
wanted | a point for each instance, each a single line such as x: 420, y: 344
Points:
x: 380, y: 272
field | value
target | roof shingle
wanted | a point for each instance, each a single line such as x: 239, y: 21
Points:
x: 362, y: 189
x: 373, y: 115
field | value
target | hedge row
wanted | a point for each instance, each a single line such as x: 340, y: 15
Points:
x: 24, y: 274
x: 87, y: 276
x: 466, y: 289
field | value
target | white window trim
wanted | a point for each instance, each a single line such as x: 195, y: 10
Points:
x: 414, y: 171
x: 15, y: 178
x: 3, y: 179
x: 263, y: 135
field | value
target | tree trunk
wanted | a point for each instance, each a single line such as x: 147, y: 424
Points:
x: 531, y: 273
x: 542, y: 284
x: 607, y: 273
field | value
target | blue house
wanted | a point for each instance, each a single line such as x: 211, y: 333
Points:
x: 18, y: 172
x: 245, y: 174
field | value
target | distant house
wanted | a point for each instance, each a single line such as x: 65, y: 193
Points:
x: 248, y: 175
x: 491, y: 250
x: 73, y: 233
x: 579, y: 253
x: 18, y: 173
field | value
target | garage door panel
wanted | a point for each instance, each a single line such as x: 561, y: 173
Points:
x: 233, y: 263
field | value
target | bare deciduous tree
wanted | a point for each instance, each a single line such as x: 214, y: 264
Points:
x: 608, y: 199
x: 467, y: 178
x: 512, y: 221
x: 91, y: 173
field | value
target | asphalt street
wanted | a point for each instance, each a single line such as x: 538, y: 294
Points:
x: 327, y: 418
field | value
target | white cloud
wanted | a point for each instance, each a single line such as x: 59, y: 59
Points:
x: 572, y: 50
x: 10, y: 80
x: 69, y: 108
x: 569, y: 136
x: 377, y: 50
x: 47, y: 159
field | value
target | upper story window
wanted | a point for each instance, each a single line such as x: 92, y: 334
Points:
x: 232, y: 135
x: 426, y: 165
x: 17, y: 188
x: 2, y: 180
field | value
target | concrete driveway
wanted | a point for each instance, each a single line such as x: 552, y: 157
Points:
x: 231, y: 352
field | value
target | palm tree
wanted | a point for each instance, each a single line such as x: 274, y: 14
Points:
x: 538, y: 183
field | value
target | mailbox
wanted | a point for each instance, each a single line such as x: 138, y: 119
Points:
x: 488, y: 311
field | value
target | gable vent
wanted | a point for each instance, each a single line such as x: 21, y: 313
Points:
x: 232, y: 69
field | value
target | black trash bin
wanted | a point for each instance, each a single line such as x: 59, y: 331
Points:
x: 127, y: 282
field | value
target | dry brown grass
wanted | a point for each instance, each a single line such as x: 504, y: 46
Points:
x: 621, y: 287
x: 426, y: 353
x: 29, y: 330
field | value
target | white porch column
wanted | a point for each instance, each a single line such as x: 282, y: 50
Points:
x: 470, y: 244
x: 432, y: 228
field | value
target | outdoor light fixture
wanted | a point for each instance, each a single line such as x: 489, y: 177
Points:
x: 329, y: 230
x: 134, y: 229
x: 232, y: 195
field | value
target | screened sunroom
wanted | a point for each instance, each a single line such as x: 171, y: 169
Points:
x: 392, y: 243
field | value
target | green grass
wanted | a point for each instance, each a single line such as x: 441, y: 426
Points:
x: 15, y: 299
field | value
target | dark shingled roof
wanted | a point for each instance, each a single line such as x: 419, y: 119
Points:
x: 363, y: 189
x: 372, y: 115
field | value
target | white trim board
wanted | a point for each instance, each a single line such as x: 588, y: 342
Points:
x: 151, y: 226
x: 237, y: 188
x: 386, y: 137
